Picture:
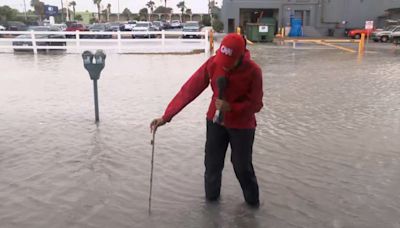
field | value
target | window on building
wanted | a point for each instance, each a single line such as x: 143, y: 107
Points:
x: 231, y: 25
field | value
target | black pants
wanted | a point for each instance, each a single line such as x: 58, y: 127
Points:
x: 241, y: 141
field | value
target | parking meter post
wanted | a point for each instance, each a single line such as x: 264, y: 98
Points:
x: 96, y: 101
x: 94, y: 64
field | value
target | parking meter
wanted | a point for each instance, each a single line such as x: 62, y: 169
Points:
x: 94, y: 67
x: 94, y: 64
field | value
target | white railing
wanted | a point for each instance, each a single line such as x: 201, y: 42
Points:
x: 122, y: 42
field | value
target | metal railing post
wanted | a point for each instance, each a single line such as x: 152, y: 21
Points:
x: 163, y: 39
x: 207, y: 45
x: 78, y: 43
x: 119, y: 41
x: 33, y: 38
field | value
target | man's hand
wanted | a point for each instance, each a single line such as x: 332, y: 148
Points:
x: 156, y: 123
x: 222, y: 105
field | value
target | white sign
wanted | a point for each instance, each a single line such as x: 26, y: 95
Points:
x: 263, y: 28
x: 369, y: 25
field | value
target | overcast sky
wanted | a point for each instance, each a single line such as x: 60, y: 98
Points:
x: 197, y: 6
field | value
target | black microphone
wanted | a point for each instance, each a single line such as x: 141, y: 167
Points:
x: 221, y: 83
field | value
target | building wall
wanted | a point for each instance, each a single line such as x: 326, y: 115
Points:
x: 324, y: 14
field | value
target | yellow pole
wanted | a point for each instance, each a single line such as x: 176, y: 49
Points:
x: 361, y: 45
x: 238, y: 30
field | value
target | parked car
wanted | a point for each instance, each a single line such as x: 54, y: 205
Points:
x: 158, y: 25
x: 38, y: 37
x: 166, y: 24
x: 190, y: 27
x: 356, y: 33
x: 63, y: 27
x: 395, y: 36
x: 175, y: 24
x: 2, y: 28
x: 383, y: 35
x: 116, y: 26
x: 15, y: 26
x: 72, y: 27
x: 144, y: 26
x: 130, y: 25
x: 100, y: 27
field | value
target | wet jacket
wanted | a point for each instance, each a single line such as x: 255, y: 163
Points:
x: 244, y: 92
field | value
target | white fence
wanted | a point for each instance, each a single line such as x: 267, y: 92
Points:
x: 121, y: 42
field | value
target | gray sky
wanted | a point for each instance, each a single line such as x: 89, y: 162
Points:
x: 197, y: 6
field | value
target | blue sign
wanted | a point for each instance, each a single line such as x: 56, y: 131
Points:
x: 50, y: 10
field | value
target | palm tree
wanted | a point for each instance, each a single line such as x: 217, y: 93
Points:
x: 39, y: 8
x: 150, y: 5
x: 165, y: 3
x: 108, y: 11
x: 182, y: 6
x: 97, y: 3
x: 73, y: 4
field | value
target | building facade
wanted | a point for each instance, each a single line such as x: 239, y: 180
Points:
x: 318, y: 15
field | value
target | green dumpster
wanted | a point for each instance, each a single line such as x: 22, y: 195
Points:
x: 261, y: 32
x: 271, y: 23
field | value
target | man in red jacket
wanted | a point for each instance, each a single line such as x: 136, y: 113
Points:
x: 242, y: 98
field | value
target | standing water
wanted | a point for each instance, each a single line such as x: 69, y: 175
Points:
x: 326, y: 152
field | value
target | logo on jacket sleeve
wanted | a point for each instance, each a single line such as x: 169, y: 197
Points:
x: 226, y: 51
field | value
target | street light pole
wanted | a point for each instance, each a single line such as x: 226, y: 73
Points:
x: 26, y: 17
x: 118, y: 10
x: 67, y: 8
x: 62, y: 11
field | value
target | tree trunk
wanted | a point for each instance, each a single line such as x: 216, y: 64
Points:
x: 98, y: 12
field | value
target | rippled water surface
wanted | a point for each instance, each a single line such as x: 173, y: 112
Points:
x: 326, y: 154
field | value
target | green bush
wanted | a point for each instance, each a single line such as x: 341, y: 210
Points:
x: 206, y: 20
x: 218, y: 26
x: 92, y: 20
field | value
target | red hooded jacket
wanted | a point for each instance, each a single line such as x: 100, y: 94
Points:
x: 244, y: 92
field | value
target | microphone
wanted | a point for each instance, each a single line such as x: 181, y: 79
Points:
x: 221, y: 83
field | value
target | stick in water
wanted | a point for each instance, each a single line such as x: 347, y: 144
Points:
x: 152, y: 166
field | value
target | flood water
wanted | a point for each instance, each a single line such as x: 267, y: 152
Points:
x: 326, y: 154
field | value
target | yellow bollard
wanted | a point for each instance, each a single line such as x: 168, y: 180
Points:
x: 211, y: 41
x: 238, y: 31
x: 361, y: 44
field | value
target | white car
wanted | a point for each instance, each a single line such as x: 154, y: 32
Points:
x: 395, y: 36
x: 384, y: 35
x: 176, y: 24
x: 189, y: 28
x: 130, y: 25
x: 145, y: 27
x: 2, y: 28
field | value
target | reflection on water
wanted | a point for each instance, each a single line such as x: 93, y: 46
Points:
x: 326, y: 150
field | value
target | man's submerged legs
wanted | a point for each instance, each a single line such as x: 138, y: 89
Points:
x: 215, y: 150
x: 242, y: 148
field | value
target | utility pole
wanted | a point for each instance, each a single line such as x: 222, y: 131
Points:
x: 67, y: 8
x: 26, y: 17
x: 62, y: 11
x: 118, y: 10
